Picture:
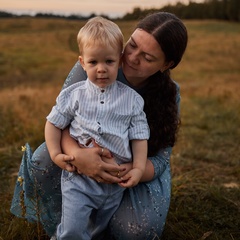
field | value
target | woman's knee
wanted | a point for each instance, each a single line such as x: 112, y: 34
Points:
x: 43, y: 171
x: 41, y: 158
x: 136, y: 232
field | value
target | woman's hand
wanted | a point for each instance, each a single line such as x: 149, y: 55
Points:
x: 89, y: 161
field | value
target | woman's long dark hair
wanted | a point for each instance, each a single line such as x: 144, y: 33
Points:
x: 160, y: 95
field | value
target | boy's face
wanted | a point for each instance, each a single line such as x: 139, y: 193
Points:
x: 101, y: 64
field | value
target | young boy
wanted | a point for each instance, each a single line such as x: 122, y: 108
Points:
x: 107, y: 111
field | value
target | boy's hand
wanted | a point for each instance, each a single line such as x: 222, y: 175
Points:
x: 64, y: 162
x: 132, y: 178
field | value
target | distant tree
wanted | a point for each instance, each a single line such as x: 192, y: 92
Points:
x: 138, y: 13
x: 6, y: 15
x: 209, y: 9
x: 233, y: 10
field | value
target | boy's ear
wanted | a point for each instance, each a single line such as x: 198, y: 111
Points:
x: 81, y: 62
x: 120, y: 60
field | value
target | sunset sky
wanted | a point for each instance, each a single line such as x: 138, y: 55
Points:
x: 111, y: 8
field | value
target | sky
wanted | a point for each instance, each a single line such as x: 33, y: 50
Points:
x: 112, y: 8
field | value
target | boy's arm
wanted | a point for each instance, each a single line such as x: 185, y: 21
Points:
x: 53, y: 141
x: 139, y: 150
x: 132, y: 178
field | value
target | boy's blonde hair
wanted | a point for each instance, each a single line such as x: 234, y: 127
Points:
x: 99, y: 30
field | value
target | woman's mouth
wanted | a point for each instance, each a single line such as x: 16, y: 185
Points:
x: 130, y: 66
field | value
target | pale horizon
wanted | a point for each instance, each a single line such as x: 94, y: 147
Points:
x: 114, y: 8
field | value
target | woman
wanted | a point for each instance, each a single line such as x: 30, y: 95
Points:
x: 156, y: 46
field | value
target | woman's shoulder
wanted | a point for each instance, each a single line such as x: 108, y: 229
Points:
x: 126, y: 89
x: 178, y: 96
x: 177, y: 85
x: 76, y: 75
x: 130, y: 95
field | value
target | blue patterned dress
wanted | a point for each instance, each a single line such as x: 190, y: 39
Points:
x: 142, y: 212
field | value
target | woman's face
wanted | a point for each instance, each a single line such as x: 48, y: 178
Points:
x: 142, y: 58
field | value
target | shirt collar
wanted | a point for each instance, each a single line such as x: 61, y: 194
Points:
x: 94, y: 88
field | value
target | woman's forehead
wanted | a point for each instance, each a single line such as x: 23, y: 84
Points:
x: 146, y: 42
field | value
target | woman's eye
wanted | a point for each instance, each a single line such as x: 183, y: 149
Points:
x: 132, y: 45
x: 148, y: 60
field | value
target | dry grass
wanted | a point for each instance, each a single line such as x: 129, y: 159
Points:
x: 36, y: 56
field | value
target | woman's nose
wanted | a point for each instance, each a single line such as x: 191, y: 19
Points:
x: 134, y: 57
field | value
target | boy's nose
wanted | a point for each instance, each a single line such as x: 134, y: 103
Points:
x: 101, y: 68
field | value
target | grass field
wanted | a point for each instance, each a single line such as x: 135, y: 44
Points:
x: 35, y: 58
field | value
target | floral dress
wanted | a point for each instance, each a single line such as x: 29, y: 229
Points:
x: 142, y: 212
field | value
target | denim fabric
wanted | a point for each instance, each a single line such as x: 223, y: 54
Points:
x: 87, y: 206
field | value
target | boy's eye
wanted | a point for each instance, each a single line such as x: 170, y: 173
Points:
x: 109, y: 61
x: 93, y: 62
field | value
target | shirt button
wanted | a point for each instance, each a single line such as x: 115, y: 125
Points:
x: 102, y: 90
x: 102, y: 102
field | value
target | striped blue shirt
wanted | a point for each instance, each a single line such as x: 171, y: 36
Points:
x: 112, y: 116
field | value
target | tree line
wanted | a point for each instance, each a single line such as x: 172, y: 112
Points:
x: 209, y: 9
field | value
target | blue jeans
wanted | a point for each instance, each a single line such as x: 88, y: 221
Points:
x: 87, y: 206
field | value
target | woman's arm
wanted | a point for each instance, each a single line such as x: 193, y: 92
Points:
x: 88, y: 160
x: 160, y: 161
